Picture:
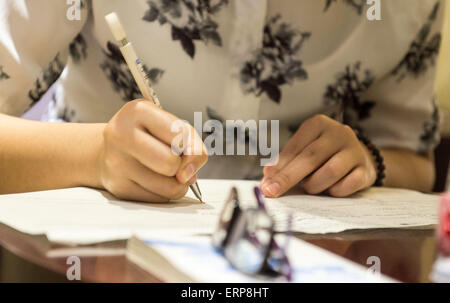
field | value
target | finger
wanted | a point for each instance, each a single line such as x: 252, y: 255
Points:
x: 167, y: 187
x: 192, y: 180
x: 310, y: 159
x: 154, y: 154
x: 308, y: 132
x: 330, y: 173
x: 189, y: 167
x: 132, y: 191
x: 180, y: 136
x: 349, y: 185
x: 157, y: 122
x: 194, y: 157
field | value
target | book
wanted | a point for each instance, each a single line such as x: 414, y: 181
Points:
x: 194, y: 259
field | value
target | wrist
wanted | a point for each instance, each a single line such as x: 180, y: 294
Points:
x: 90, y: 174
x: 376, y: 159
x: 371, y: 164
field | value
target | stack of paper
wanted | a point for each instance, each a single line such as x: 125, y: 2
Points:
x: 83, y: 216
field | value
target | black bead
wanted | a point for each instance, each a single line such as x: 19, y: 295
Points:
x: 378, y: 158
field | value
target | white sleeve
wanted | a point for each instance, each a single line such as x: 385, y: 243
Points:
x: 34, y: 40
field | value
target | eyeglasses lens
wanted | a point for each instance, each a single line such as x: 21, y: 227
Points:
x: 250, y: 241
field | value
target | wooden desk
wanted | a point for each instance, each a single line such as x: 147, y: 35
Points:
x: 406, y: 255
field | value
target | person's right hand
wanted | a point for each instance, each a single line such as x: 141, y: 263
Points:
x: 137, y: 162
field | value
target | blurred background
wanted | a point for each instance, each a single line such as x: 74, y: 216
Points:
x: 443, y: 94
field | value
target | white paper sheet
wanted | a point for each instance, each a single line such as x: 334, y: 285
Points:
x: 441, y: 270
x: 83, y: 216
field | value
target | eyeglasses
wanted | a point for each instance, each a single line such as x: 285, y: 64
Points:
x: 247, y: 239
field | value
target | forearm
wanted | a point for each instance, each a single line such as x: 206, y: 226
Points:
x: 40, y: 156
x: 405, y: 169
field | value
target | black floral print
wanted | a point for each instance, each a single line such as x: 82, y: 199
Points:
x: 423, y: 51
x: 78, y: 48
x: 213, y: 115
x: 347, y: 91
x: 120, y: 76
x: 430, y: 136
x: 3, y: 74
x: 63, y: 114
x: 190, y: 20
x: 358, y: 5
x: 276, y: 63
x: 46, y: 79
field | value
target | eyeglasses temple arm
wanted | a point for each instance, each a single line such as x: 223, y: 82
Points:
x: 259, y: 198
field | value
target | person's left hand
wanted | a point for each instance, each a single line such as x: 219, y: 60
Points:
x: 323, y: 156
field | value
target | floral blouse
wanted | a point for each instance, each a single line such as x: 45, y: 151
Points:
x: 283, y: 60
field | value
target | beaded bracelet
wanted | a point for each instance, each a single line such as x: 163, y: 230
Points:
x: 378, y: 158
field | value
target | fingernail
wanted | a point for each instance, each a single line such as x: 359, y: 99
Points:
x: 272, y: 188
x: 192, y: 180
x: 189, y: 172
x: 263, y: 182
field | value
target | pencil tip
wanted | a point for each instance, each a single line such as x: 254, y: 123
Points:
x: 196, y: 190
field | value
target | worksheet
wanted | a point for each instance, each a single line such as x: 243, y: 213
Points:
x: 84, y: 215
